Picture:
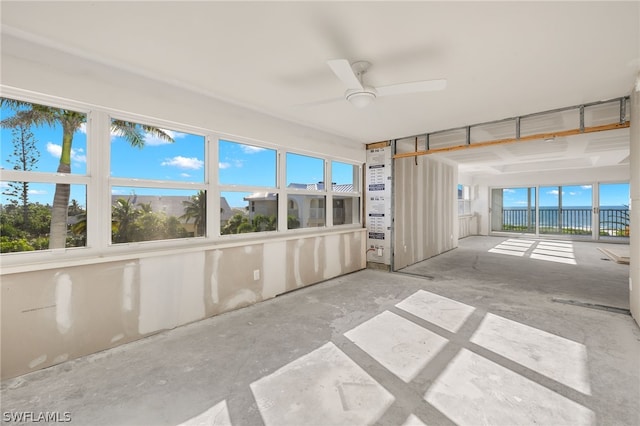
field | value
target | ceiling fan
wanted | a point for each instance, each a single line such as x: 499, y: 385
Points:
x: 361, y: 95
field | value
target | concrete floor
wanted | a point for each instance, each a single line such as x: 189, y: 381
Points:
x: 474, y: 338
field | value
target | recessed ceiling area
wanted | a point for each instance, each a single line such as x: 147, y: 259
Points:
x: 272, y: 56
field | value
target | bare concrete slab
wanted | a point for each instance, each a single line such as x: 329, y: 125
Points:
x: 475, y: 337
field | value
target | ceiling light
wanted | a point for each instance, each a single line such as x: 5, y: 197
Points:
x: 361, y: 99
x: 551, y: 139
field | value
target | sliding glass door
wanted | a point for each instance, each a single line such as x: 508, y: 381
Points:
x: 566, y: 210
x: 563, y: 210
x: 513, y: 210
x: 613, y: 210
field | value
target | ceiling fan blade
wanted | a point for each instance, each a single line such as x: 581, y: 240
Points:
x: 342, y: 69
x: 415, y: 87
x: 320, y: 102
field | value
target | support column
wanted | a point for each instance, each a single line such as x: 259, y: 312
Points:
x: 634, y: 165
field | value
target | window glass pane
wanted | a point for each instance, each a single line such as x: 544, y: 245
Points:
x: 346, y: 210
x: 343, y: 177
x: 241, y: 164
x: 148, y: 152
x: 28, y: 147
x: 146, y: 214
x: 25, y: 216
x: 244, y: 212
x: 464, y: 203
x: 305, y: 211
x: 305, y: 172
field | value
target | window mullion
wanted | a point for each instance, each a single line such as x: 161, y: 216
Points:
x: 213, y: 188
x: 98, y: 193
x: 283, y: 212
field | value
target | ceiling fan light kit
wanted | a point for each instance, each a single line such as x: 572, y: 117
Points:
x: 361, y: 98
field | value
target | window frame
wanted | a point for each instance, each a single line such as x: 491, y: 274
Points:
x: 464, y: 201
x: 98, y: 183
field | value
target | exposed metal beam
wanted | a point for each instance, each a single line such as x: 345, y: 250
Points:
x: 549, y: 135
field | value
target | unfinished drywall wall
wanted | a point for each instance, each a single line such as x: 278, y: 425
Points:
x: 634, y: 266
x: 425, y: 209
x: 54, y: 315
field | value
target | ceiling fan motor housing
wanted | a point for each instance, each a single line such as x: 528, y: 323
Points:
x: 360, y: 98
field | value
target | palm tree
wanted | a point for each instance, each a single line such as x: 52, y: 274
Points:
x: 124, y: 213
x: 28, y: 114
x: 196, y: 209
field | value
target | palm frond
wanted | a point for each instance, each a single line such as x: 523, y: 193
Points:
x: 158, y: 133
x: 130, y: 131
x: 36, y: 115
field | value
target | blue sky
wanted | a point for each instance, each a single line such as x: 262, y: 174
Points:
x: 183, y: 160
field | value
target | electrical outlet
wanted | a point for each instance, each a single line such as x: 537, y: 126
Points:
x: 379, y: 251
x: 256, y: 274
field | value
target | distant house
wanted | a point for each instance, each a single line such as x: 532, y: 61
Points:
x: 308, y: 209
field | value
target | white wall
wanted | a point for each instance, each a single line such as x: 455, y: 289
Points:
x: 39, y: 69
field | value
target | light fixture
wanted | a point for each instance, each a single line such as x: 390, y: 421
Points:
x: 361, y: 98
x: 551, y: 139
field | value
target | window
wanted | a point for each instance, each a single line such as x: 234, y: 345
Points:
x: 69, y: 184
x: 44, y: 177
x: 308, y: 211
x: 248, y: 197
x: 464, y: 200
x: 244, y: 212
x: 305, y: 178
x: 306, y: 173
x: 169, y: 198
x: 241, y: 164
x: 346, y: 200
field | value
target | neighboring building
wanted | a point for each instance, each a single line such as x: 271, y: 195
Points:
x: 308, y: 209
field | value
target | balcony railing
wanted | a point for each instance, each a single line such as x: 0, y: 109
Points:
x: 573, y: 221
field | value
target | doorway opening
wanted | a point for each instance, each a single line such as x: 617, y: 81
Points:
x: 596, y: 211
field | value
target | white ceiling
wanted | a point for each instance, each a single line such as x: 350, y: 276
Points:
x: 501, y: 59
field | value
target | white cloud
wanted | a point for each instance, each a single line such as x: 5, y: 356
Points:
x: 118, y: 192
x: 150, y: 140
x: 507, y: 190
x: 574, y: 193
x: 224, y: 165
x: 37, y: 192
x: 248, y: 149
x: 554, y: 192
x: 55, y: 150
x: 586, y: 187
x: 191, y: 163
x: 186, y: 175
